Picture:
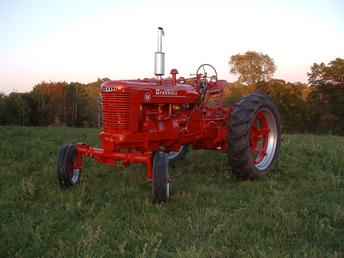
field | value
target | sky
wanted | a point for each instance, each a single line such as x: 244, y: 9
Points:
x: 81, y: 41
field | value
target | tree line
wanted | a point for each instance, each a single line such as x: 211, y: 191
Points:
x: 315, y: 107
x: 53, y: 104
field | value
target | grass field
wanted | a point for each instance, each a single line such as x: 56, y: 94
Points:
x: 298, y: 211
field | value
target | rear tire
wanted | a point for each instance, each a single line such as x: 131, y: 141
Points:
x: 68, y: 176
x: 254, y: 136
x: 161, y: 185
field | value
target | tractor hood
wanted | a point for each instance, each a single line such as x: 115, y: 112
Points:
x: 152, y: 91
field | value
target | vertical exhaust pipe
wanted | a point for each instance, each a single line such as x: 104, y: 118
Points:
x: 159, y: 57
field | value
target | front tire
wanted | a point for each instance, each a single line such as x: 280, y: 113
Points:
x: 161, y: 185
x: 68, y: 175
x: 254, y: 136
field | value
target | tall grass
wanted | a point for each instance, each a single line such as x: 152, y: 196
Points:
x: 298, y: 211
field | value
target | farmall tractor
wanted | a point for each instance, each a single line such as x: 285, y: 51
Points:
x: 155, y: 121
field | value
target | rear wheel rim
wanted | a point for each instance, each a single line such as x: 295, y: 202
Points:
x: 263, y: 139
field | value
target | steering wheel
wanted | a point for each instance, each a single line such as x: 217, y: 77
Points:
x: 205, y: 78
x: 207, y: 72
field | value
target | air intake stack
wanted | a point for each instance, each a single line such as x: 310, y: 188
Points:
x: 159, y: 58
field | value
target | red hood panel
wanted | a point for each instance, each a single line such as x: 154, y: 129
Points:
x: 159, y: 93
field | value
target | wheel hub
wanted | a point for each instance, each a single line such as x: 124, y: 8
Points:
x: 263, y: 139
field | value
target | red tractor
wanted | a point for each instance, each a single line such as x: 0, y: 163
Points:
x: 154, y: 121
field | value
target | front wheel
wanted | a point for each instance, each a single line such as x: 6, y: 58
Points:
x: 254, y: 136
x: 67, y: 172
x: 161, y: 185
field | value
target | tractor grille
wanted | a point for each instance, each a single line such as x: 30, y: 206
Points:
x: 115, y: 111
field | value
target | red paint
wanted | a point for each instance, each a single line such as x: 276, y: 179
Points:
x: 174, y: 73
x: 144, y: 116
x: 259, y: 137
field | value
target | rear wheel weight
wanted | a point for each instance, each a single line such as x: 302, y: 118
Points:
x: 254, y: 136
x: 161, y: 185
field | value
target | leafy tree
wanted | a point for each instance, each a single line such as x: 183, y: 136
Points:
x: 93, y: 105
x: 317, y: 73
x: 320, y: 73
x: 326, y: 100
x: 252, y: 67
x: 49, y: 102
x: 15, y: 109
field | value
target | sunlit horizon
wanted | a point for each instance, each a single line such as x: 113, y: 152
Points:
x: 83, y: 41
